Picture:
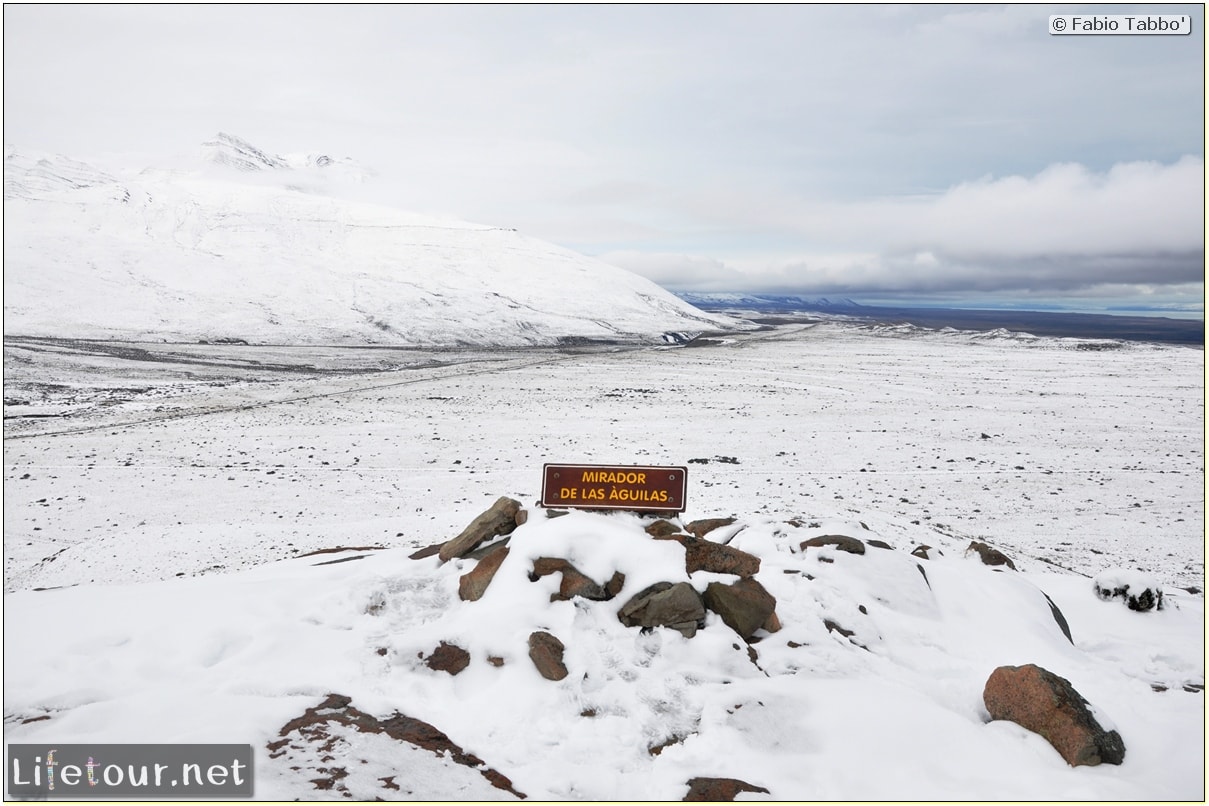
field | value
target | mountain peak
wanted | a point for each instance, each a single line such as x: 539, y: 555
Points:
x: 235, y: 152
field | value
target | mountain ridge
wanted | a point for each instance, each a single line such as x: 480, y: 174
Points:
x: 195, y: 253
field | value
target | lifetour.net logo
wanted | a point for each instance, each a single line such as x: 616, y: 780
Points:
x: 78, y: 771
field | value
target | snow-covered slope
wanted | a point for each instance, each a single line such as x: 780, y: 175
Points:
x: 243, y: 244
x: 156, y: 588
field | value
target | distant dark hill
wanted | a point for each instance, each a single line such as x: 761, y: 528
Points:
x: 1039, y: 323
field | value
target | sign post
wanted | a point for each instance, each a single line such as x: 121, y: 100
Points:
x: 633, y: 487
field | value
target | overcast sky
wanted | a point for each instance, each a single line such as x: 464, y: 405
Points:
x: 954, y: 153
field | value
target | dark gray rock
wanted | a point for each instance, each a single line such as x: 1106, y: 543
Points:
x: 1058, y: 617
x: 745, y: 606
x: 663, y: 604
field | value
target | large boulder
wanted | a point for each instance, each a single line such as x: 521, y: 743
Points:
x: 745, y: 606
x: 663, y: 604
x: 1043, y: 702
x: 500, y: 519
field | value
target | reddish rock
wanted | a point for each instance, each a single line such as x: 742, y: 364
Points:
x: 745, y: 606
x: 700, y: 528
x: 841, y: 542
x: 661, y: 528
x: 718, y: 789
x: 500, y: 519
x: 614, y: 585
x: 473, y: 584
x: 989, y: 555
x: 574, y: 583
x: 1047, y: 704
x: 773, y: 624
x: 921, y: 551
x: 448, y: 658
x: 427, y: 551
x: 705, y: 555
x: 546, y: 652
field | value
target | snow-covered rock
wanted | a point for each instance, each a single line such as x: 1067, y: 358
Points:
x: 1138, y: 589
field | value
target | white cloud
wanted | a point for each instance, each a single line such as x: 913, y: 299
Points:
x: 1065, y: 228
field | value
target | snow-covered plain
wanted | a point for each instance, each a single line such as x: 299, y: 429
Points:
x: 155, y: 591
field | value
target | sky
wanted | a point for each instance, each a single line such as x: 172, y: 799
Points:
x: 951, y: 154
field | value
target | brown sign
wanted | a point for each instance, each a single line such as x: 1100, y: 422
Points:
x: 635, y: 487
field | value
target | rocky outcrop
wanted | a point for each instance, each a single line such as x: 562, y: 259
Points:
x: 841, y: 542
x: 990, y: 555
x: 663, y: 604
x: 1047, y: 704
x: 718, y: 789
x: 745, y: 606
x: 500, y: 519
x: 314, y: 728
x: 546, y: 652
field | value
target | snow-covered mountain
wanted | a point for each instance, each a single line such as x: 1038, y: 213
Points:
x: 239, y: 243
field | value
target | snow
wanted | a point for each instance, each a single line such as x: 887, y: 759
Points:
x: 242, y: 244
x: 156, y: 592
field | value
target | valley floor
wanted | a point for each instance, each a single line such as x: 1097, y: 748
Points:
x: 120, y: 470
